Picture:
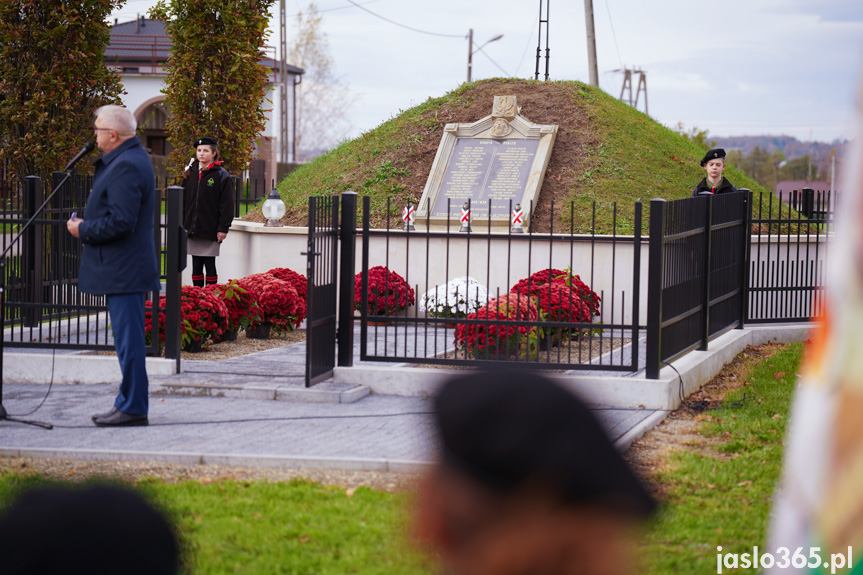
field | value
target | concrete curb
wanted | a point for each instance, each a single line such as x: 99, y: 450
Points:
x: 274, y: 393
x: 285, y: 462
x: 75, y: 368
x: 624, y: 442
x: 695, y: 369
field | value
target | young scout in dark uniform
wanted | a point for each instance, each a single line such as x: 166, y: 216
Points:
x: 714, y: 162
x: 208, y: 200
x: 526, y: 481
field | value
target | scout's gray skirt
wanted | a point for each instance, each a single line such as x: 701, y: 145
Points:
x: 198, y: 246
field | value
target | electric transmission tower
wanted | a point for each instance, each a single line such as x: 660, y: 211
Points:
x: 627, y: 86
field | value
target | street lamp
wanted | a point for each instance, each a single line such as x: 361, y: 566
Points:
x: 273, y: 209
x: 471, y: 51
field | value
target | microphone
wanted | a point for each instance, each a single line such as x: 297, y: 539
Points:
x: 88, y: 147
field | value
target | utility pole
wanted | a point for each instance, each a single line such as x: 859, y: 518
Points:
x: 469, y: 53
x: 539, y: 40
x: 283, y: 88
x: 591, y: 43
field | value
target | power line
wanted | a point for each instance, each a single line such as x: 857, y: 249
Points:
x: 613, y: 35
x: 130, y: 14
x: 526, y: 47
x: 360, y: 6
x: 493, y: 62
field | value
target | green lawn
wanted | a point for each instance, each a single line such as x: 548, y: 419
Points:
x: 716, y: 496
x: 297, y: 527
x: 722, y: 495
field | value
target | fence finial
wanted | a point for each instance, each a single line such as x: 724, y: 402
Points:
x: 517, y: 220
x: 409, y: 214
x: 465, y: 218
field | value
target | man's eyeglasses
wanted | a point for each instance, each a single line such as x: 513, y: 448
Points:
x: 95, y: 129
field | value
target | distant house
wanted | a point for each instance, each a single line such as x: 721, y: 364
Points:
x: 791, y: 192
x: 139, y: 50
x: 786, y: 188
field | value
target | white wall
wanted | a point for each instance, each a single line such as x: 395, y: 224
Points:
x: 141, y: 88
x: 252, y: 248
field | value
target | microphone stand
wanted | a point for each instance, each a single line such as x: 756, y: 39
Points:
x: 4, y: 416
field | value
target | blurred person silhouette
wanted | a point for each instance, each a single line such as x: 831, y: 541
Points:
x: 527, y: 482
x: 818, y: 506
x: 98, y: 530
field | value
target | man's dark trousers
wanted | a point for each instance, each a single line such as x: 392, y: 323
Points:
x: 127, y: 323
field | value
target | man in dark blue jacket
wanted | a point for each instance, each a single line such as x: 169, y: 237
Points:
x: 118, y: 258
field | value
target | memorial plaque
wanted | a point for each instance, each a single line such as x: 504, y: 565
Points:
x: 494, y: 163
x: 482, y: 171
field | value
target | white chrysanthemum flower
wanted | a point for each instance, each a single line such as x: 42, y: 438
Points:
x: 457, y: 298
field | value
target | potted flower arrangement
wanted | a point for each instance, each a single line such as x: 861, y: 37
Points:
x: 148, y: 321
x: 455, y: 299
x: 279, y: 303
x: 298, y: 281
x: 389, y: 293
x: 203, y: 315
x: 563, y: 279
x: 242, y: 305
x: 501, y: 338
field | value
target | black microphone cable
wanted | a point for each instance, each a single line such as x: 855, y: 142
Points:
x: 51, y: 382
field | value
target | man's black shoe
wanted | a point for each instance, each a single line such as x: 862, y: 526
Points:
x: 119, y: 418
x: 104, y: 415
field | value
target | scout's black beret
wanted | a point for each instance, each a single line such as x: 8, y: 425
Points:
x: 714, y: 154
x: 206, y: 142
x: 504, y: 429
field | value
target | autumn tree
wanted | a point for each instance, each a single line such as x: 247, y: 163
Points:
x: 696, y: 136
x: 52, y: 77
x: 322, y: 101
x: 216, y: 83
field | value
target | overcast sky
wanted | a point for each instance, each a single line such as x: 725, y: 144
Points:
x: 736, y: 67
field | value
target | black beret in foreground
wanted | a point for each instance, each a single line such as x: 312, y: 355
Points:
x: 504, y: 429
x: 97, y: 529
x: 206, y: 142
x: 714, y: 154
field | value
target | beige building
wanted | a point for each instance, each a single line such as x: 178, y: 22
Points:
x: 138, y: 51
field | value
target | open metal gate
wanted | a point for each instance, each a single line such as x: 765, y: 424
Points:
x: 321, y: 299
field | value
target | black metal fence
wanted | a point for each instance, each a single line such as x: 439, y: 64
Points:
x: 598, y: 329
x: 696, y: 280
x: 788, y: 255
x: 43, y: 306
x: 322, y: 285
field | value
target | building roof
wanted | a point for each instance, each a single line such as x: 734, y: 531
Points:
x: 786, y: 187
x: 144, y: 41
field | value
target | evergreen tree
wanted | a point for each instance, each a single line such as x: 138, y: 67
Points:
x: 52, y: 78
x: 216, y: 84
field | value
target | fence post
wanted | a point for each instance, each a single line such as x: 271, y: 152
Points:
x: 747, y: 248
x: 807, y: 201
x: 174, y: 266
x: 655, y: 265
x: 636, y: 284
x: 347, y: 263
x: 705, y: 296
x: 32, y: 253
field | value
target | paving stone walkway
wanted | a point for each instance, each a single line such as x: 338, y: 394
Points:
x: 225, y: 411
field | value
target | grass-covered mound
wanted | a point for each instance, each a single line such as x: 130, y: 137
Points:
x: 605, y: 151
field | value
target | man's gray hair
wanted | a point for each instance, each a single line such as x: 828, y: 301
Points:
x: 119, y: 119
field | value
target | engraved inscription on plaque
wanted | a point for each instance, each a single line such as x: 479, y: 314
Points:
x: 480, y: 170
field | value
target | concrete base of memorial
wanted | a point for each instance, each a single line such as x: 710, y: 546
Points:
x: 74, y: 368
x: 627, y: 391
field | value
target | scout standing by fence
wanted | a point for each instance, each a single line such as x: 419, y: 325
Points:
x: 208, y: 200
x: 714, y: 183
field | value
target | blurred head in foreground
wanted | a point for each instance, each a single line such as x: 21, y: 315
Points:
x: 97, y: 530
x: 527, y: 482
